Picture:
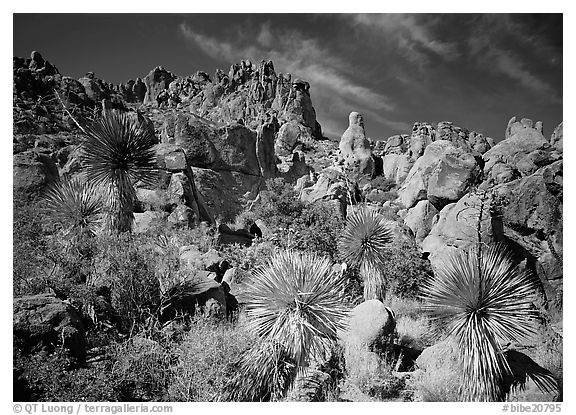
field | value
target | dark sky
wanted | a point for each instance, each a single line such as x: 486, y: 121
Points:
x: 476, y: 70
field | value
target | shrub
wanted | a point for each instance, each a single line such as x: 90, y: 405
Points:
x: 264, y: 373
x: 317, y: 230
x: 439, y: 385
x: 206, y: 358
x: 484, y: 301
x: 362, y: 245
x: 31, y: 262
x: 117, y: 152
x: 46, y: 378
x: 404, y: 269
x: 296, y: 300
x: 76, y: 207
x: 279, y: 205
x: 295, y: 306
x: 127, y: 266
x: 142, y: 370
x: 249, y: 257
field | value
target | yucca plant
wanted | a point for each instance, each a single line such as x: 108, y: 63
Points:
x: 77, y: 207
x: 485, y: 302
x: 362, y: 244
x: 296, y: 301
x: 265, y: 373
x: 118, y: 150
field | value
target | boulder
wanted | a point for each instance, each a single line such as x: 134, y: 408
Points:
x: 33, y: 171
x: 197, y: 293
x: 42, y: 322
x: 420, y: 219
x: 355, y: 149
x: 503, y: 173
x: 329, y: 186
x: 93, y: 88
x: 521, y: 140
x: 531, y: 209
x: 557, y: 138
x: 265, y: 135
x: 287, y: 137
x: 446, y: 130
x: 147, y: 199
x: 227, y: 236
x: 422, y: 135
x: 444, y: 169
x: 396, y: 167
x: 156, y: 82
x: 226, y: 193
x: 139, y: 90
x: 458, y: 227
x: 397, y: 144
x: 371, y: 328
x: 371, y: 324
x: 230, y: 148
x: 455, y: 173
x: 441, y: 356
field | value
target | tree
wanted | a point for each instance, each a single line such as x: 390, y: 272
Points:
x: 118, y: 150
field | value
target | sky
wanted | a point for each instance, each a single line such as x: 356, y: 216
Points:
x: 476, y: 70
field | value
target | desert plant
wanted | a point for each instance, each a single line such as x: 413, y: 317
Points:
x: 205, y: 359
x: 296, y: 300
x: 363, y: 244
x: 295, y: 306
x: 118, y: 151
x: 75, y: 206
x: 484, y: 301
x: 265, y: 373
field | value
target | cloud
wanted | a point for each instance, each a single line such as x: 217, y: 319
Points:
x: 413, y: 36
x: 486, y: 47
x: 333, y: 90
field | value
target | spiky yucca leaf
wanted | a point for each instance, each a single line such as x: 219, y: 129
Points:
x: 76, y: 206
x: 117, y: 151
x: 484, y: 300
x: 297, y: 300
x: 265, y: 372
x: 363, y: 244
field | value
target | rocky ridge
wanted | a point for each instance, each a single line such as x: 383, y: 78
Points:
x: 221, y: 137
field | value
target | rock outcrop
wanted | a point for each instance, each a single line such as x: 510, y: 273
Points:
x: 355, y: 149
x: 157, y: 82
x: 43, y: 322
x: 524, y: 150
x: 442, y: 175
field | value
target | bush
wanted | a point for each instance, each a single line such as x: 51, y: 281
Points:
x: 248, y: 257
x: 127, y: 265
x: 205, y: 359
x: 142, y: 370
x: 318, y: 228
x: 46, y: 378
x: 279, y: 205
x: 31, y: 262
x: 404, y: 269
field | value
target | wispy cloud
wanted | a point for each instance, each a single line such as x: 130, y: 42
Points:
x: 486, y: 48
x: 413, y: 36
x: 303, y: 57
